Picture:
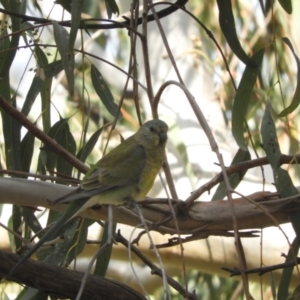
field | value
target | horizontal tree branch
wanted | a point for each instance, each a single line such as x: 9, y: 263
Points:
x: 63, y: 283
x: 259, y: 210
x: 161, y: 14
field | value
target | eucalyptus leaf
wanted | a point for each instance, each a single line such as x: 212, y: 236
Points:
x: 234, y: 179
x: 103, y: 91
x: 27, y: 147
x: 85, y: 151
x: 296, y: 98
x: 286, y: 5
x: 227, y: 25
x: 269, y: 138
x: 62, y: 39
x: 103, y: 259
x: 242, y: 99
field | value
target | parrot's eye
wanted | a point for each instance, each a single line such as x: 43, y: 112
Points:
x: 152, y: 129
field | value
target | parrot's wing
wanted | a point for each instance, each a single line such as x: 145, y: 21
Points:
x: 114, y: 170
x: 117, y: 171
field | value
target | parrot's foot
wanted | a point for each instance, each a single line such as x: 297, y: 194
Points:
x: 130, y: 203
x: 50, y: 202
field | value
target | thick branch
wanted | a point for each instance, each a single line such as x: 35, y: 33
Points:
x: 61, y: 282
x: 260, y: 210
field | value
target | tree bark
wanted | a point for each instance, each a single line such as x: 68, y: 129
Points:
x: 63, y: 283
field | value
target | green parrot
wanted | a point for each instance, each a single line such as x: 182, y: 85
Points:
x: 126, y: 172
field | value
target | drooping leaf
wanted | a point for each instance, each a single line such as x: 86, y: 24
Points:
x: 227, y: 25
x: 53, y: 68
x: 103, y: 259
x: 58, y: 133
x: 15, y: 224
x: 296, y: 98
x: 66, y: 4
x: 30, y: 219
x: 76, y: 10
x: 234, y: 179
x: 41, y: 57
x: 68, y: 142
x: 284, y: 285
x: 242, y: 98
x: 45, y: 88
x: 56, y: 254
x: 111, y: 8
x: 103, y: 91
x: 296, y: 293
x: 62, y: 38
x: 89, y: 146
x: 282, y: 179
x: 11, y: 128
x: 27, y: 147
x: 79, y: 240
x: 33, y: 92
x: 286, y: 5
x: 269, y: 138
x: 36, y: 5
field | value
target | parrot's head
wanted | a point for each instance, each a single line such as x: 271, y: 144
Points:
x: 153, y: 133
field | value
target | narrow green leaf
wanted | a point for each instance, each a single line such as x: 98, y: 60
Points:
x: 40, y: 56
x: 242, y: 99
x: 57, y: 254
x: 4, y: 46
x: 227, y: 25
x: 56, y: 133
x: 33, y: 92
x: 42, y: 160
x: 60, y: 132
x: 103, y: 91
x: 234, y: 179
x: 103, y: 259
x: 16, y: 222
x: 45, y: 88
x: 296, y: 294
x: 32, y: 294
x: 296, y: 98
x: 111, y: 8
x: 85, y: 151
x: 283, y: 182
x: 68, y: 142
x: 30, y: 219
x: 269, y: 138
x: 284, y: 285
x: 66, y: 4
x: 46, y: 103
x: 37, y: 6
x: 7, y: 57
x: 61, y: 37
x: 53, y: 68
x: 286, y: 5
x: 11, y: 127
x: 79, y: 240
x: 76, y: 10
x: 273, y: 285
x: 284, y: 185
x: 12, y: 133
x: 27, y: 146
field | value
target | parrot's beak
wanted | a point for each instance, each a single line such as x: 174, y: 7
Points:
x: 162, y: 137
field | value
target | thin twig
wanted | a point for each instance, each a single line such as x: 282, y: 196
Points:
x: 154, y: 268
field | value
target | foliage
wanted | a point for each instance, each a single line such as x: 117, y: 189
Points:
x: 255, y: 60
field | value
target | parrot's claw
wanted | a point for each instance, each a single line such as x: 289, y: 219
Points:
x: 50, y: 202
x: 130, y: 203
